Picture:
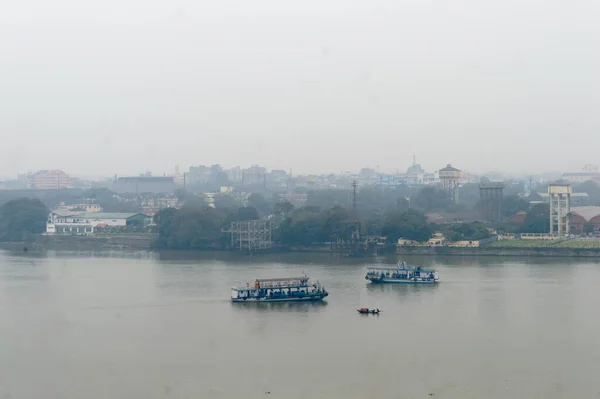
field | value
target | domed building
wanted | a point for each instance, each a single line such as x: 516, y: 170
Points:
x: 415, y: 172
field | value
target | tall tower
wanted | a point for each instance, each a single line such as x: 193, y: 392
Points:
x: 354, y: 186
x: 490, y: 194
x: 449, y: 177
x: 560, y: 207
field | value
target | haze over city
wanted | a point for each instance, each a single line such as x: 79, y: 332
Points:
x: 299, y: 199
x: 129, y: 86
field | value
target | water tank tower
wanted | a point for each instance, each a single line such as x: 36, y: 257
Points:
x: 490, y: 194
x: 449, y: 177
x: 560, y: 208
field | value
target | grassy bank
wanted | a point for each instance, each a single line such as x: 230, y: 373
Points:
x: 559, y: 243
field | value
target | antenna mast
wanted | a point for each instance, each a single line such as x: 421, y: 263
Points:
x: 354, y: 185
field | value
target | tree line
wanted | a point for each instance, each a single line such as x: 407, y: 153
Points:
x: 326, y: 215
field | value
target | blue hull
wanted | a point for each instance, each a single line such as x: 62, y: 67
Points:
x: 265, y: 300
x: 398, y: 281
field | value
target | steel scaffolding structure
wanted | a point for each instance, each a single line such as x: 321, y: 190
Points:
x: 251, y: 235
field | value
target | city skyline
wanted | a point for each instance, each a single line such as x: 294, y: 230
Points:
x: 290, y: 172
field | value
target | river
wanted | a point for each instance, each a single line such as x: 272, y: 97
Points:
x: 144, y: 325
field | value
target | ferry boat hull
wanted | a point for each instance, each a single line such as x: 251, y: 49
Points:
x: 295, y: 289
x: 399, y: 281
x: 402, y: 275
x: 265, y: 300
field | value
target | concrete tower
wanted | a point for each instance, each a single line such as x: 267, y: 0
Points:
x: 490, y: 194
x: 449, y: 177
x: 560, y: 207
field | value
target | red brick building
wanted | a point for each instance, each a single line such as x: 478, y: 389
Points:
x: 582, y: 216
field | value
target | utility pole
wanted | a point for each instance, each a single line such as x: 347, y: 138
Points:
x: 354, y: 185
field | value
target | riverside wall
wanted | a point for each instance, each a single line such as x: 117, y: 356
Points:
x: 498, y: 251
x: 112, y: 242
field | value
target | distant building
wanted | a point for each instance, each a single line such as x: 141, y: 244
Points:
x: 449, y: 179
x: 199, y: 175
x: 80, y: 223
x: 519, y: 218
x: 415, y: 174
x: 156, y: 202
x: 254, y: 174
x: 66, y: 222
x: 279, y: 174
x: 234, y: 174
x: 581, y: 177
x: 144, y: 184
x: 582, y: 216
x: 113, y: 219
x: 590, y: 172
x: 90, y: 208
x: 48, y: 179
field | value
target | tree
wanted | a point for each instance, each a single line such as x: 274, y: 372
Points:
x: 181, y: 194
x: 226, y: 201
x: 592, y: 189
x: 191, y: 228
x: 22, y: 218
x: 410, y: 225
x: 305, y: 227
x: 246, y: 213
x: 466, y: 232
x: 513, y: 204
x: 259, y: 202
x: 195, y: 201
x: 537, y: 219
x: 329, y: 198
x: 431, y: 199
x: 109, y: 201
x: 339, y: 223
x: 284, y: 209
x: 469, y: 195
x: 588, y: 228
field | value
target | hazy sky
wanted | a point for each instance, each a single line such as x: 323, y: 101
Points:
x: 125, y: 86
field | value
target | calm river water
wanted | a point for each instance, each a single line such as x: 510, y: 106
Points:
x: 119, y: 325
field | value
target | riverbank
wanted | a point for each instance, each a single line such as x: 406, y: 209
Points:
x: 500, y: 251
x: 91, y: 242
x: 145, y: 243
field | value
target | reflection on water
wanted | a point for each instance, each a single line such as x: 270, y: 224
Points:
x: 301, y: 307
x: 146, y: 325
x: 402, y: 289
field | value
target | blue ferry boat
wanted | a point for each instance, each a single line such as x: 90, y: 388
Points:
x: 402, y: 274
x: 299, y: 289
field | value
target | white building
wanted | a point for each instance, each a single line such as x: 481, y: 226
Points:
x: 80, y: 223
x: 64, y: 221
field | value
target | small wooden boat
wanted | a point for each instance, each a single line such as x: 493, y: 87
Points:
x: 368, y: 311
